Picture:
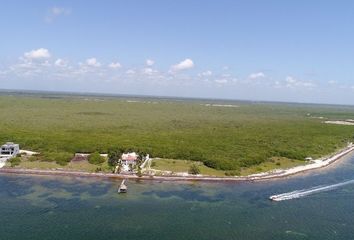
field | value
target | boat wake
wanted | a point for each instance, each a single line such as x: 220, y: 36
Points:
x: 309, y: 191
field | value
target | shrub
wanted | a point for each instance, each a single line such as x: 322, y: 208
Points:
x: 96, y: 158
x: 61, y: 158
x: 15, y: 161
x: 114, y: 157
x: 194, y: 169
x: 211, y: 164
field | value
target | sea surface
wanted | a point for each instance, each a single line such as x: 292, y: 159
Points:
x: 46, y: 207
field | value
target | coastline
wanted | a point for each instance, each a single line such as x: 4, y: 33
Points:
x: 273, y: 174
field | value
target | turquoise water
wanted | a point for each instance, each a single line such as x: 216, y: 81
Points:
x: 37, y: 207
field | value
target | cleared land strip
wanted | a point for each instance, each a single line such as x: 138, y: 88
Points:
x: 255, y: 177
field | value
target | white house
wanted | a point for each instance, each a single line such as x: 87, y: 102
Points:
x: 129, y: 158
x: 9, y: 149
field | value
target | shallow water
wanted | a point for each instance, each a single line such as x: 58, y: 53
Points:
x: 37, y: 207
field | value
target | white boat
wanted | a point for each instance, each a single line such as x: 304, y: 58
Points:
x: 273, y: 198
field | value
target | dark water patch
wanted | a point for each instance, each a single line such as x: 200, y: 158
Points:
x: 93, y: 189
x: 98, y: 189
x: 40, y: 211
x: 75, y: 194
x: 67, y: 204
x: 251, y: 195
x: 18, y: 192
x: 44, y: 195
x: 14, y: 188
x: 185, y: 194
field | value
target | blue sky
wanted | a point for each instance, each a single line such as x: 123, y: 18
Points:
x: 300, y: 51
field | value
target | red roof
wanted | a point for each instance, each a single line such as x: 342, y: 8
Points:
x: 129, y: 157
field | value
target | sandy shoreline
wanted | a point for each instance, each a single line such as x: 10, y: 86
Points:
x: 274, y: 174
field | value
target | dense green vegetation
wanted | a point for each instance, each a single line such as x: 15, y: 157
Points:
x: 95, y: 158
x: 225, y: 138
x: 60, y: 157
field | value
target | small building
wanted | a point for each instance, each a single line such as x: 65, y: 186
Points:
x: 9, y: 149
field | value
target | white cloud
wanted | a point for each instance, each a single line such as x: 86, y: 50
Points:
x: 226, y: 75
x: 92, y: 62
x: 185, y: 64
x: 332, y: 82
x: 46, y: 63
x: 130, y: 72
x: 277, y: 84
x: 207, y: 73
x: 60, y: 63
x: 40, y: 53
x: 292, y: 82
x: 115, y: 65
x: 150, y: 62
x: 55, y: 12
x: 221, y: 81
x: 149, y: 71
x: 257, y: 75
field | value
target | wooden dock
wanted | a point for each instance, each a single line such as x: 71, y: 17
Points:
x: 122, y: 187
